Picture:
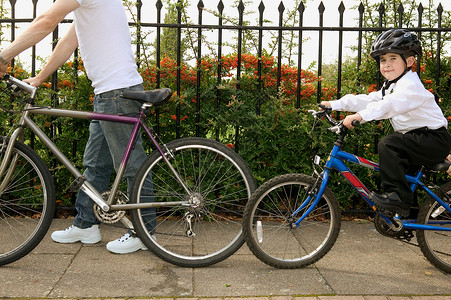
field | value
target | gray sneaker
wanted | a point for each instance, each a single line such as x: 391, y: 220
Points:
x: 74, y: 234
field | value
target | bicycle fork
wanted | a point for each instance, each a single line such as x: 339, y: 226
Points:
x: 7, y: 158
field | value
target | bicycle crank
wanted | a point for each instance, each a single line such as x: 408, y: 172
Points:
x: 387, y: 230
x: 112, y: 216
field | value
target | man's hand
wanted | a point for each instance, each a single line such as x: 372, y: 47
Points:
x: 34, y: 81
x: 3, y: 69
x: 347, y: 122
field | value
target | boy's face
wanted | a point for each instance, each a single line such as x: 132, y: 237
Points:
x: 392, y: 65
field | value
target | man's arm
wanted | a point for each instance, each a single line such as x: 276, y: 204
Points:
x: 63, y: 51
x: 38, y: 29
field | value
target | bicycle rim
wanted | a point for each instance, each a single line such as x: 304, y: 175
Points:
x: 209, y: 229
x: 27, y: 204
x: 436, y: 244
x: 269, y: 227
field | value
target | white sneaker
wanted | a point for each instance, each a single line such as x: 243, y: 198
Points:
x: 126, y: 244
x: 74, y: 234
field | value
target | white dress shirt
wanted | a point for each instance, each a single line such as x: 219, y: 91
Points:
x: 406, y: 103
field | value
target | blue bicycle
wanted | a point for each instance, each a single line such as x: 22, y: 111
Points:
x: 293, y: 220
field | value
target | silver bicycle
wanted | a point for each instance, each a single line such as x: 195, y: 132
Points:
x: 191, y: 192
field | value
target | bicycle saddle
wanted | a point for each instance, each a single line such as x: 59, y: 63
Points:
x: 441, y: 166
x: 156, y: 97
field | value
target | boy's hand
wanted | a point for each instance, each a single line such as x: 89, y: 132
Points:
x: 347, y: 122
x: 449, y: 169
x: 325, y: 103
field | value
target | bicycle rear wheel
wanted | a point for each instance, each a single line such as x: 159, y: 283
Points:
x: 206, y: 231
x: 436, y: 244
x: 27, y: 203
x: 269, y: 218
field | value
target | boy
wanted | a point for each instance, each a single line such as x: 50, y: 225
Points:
x: 420, y: 137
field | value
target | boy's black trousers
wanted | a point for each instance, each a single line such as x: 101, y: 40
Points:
x: 399, y: 152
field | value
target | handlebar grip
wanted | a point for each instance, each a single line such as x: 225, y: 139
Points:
x: 325, y: 108
x: 355, y: 123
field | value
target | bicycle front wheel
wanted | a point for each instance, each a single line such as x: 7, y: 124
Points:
x: 27, y: 202
x: 270, y: 216
x: 207, y: 229
x: 436, y: 244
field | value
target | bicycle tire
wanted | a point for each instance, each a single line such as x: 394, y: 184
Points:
x: 27, y: 204
x: 436, y: 245
x: 222, y: 183
x: 271, y: 208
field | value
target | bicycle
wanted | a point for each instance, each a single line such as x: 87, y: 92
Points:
x: 200, y: 187
x: 293, y: 220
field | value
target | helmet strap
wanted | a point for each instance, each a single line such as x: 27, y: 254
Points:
x: 388, y: 83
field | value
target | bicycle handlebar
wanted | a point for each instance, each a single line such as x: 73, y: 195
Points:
x: 20, y: 84
x: 337, y: 127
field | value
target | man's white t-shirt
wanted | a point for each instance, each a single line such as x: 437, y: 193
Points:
x: 105, y: 44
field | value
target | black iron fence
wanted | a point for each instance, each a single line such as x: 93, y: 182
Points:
x: 300, y: 29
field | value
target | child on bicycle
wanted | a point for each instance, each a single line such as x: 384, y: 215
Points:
x: 420, y: 134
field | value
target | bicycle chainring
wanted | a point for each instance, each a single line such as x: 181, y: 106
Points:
x: 113, y: 216
x: 383, y: 228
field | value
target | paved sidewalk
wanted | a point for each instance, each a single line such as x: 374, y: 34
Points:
x: 363, y: 265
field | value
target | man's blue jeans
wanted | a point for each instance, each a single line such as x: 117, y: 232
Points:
x: 104, y: 151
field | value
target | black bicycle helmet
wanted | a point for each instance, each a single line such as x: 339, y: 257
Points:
x: 400, y: 41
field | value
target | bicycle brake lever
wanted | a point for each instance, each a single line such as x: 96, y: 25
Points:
x: 336, y: 128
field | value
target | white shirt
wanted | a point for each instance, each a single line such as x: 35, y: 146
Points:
x: 406, y: 103
x: 105, y: 44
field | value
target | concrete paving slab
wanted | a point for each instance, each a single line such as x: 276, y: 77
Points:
x: 363, y: 265
x: 244, y: 275
x: 365, y: 262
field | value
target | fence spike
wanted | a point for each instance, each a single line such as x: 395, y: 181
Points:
x: 341, y: 7
x: 261, y: 7
x: 361, y: 8
x: 420, y: 9
x: 301, y: 8
x: 381, y: 9
x: 281, y: 7
x: 321, y: 8
x: 440, y: 8
x: 220, y: 7
x: 241, y: 7
x: 159, y: 5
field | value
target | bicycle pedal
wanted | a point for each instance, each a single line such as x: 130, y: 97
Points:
x: 76, y: 184
x: 406, y: 234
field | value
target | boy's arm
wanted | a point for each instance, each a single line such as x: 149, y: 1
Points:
x: 354, y: 103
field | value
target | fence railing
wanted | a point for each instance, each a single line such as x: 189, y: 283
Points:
x: 220, y: 27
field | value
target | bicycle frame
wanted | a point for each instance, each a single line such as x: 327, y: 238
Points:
x: 80, y: 182
x: 336, y: 161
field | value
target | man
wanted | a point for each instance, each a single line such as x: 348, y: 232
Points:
x: 100, y: 30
